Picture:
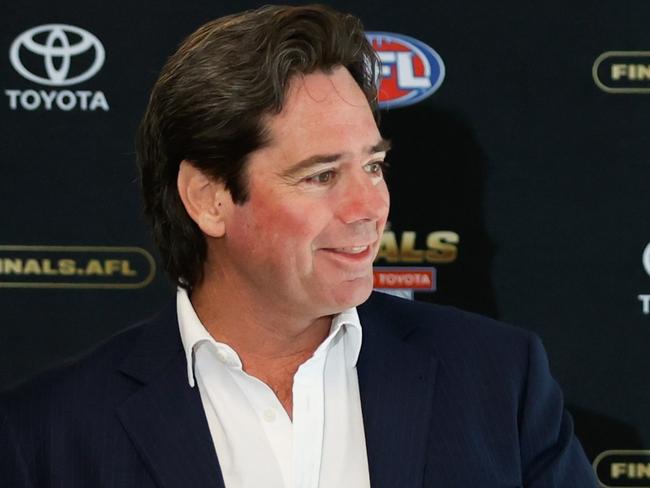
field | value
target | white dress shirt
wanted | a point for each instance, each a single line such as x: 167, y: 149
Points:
x: 256, y: 442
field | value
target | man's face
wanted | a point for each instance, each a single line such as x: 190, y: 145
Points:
x: 306, y: 238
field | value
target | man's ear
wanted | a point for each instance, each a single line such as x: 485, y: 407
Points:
x: 204, y: 199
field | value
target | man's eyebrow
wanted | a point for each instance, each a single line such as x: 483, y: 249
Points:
x: 311, y: 161
x: 382, y: 146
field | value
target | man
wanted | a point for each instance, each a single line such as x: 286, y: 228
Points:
x: 261, y: 168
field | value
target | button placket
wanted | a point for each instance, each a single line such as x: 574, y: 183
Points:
x: 308, y: 422
x: 269, y: 415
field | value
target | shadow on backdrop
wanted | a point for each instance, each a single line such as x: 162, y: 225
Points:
x: 599, y: 433
x: 437, y: 179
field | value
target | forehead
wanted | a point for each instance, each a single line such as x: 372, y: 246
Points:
x: 322, y: 111
x: 322, y: 91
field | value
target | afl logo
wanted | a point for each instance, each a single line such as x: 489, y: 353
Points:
x: 57, y: 54
x: 410, y: 70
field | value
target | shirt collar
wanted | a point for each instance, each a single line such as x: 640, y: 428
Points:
x: 191, y: 329
x: 193, y: 333
x: 350, y: 319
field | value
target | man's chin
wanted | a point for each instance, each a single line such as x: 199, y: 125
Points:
x: 352, y: 293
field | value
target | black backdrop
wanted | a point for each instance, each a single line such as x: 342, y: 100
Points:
x: 533, y: 151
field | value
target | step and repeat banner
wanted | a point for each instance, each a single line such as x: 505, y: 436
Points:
x: 519, y: 182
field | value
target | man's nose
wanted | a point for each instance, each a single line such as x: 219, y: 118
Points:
x: 364, y: 199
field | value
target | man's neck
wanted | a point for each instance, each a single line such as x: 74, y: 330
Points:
x: 257, y: 330
x: 271, y: 345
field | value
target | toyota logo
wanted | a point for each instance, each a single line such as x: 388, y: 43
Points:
x: 646, y: 259
x: 58, y: 45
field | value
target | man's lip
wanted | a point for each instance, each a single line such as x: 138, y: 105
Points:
x: 349, y: 249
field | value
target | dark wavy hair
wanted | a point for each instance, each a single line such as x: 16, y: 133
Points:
x: 209, y: 103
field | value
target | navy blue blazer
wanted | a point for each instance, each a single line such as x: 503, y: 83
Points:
x: 449, y: 399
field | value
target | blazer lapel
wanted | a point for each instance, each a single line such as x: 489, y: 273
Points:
x: 164, y: 418
x: 396, y: 382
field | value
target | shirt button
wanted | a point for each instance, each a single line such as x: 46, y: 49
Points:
x: 269, y: 415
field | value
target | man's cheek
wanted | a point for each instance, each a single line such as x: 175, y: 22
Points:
x: 297, y: 223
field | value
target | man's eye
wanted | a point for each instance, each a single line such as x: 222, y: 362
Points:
x: 321, y: 178
x: 376, y: 167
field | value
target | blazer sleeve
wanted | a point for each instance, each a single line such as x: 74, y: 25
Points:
x: 551, y: 455
x: 13, y: 469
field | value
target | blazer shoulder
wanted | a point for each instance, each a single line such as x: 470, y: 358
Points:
x: 439, y: 322
x: 466, y: 343
x: 80, y: 375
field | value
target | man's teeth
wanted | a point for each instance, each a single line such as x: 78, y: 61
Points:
x: 351, y: 250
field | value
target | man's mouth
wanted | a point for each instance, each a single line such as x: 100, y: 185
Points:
x: 350, y: 250
x: 351, y: 254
